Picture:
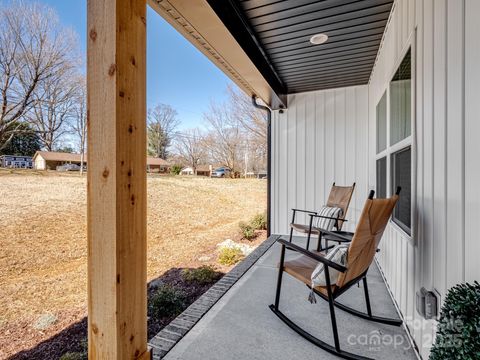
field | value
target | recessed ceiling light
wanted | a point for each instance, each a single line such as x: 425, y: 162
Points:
x: 318, y: 39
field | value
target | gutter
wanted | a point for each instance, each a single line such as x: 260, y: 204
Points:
x: 269, y: 157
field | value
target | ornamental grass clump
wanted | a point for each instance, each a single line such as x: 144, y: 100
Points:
x: 259, y: 222
x: 458, y: 331
x: 230, y: 256
x: 247, y: 231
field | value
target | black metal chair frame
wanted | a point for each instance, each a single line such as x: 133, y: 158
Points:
x: 331, y: 296
x: 321, y: 232
x: 314, y: 214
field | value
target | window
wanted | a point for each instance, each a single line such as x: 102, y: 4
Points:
x: 382, y: 177
x: 382, y: 123
x: 401, y: 165
x: 400, y: 101
x: 394, y: 151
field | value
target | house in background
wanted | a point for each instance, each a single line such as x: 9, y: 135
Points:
x: 158, y: 165
x: 49, y: 160
x: 16, y: 162
x: 202, y: 170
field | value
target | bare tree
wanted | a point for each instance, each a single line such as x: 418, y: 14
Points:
x: 225, y: 140
x: 79, y: 124
x: 33, y: 48
x: 254, y: 123
x: 252, y: 119
x: 54, y: 107
x: 191, y: 148
x: 162, y: 121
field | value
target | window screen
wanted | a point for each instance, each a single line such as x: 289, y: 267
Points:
x: 400, y: 101
x: 382, y: 123
x: 382, y: 178
x: 401, y: 175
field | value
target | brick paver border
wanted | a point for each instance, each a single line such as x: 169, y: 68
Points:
x: 171, y: 334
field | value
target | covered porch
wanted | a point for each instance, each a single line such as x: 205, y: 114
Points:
x: 241, y: 326
x: 374, y: 92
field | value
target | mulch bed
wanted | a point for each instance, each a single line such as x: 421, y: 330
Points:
x: 192, y: 290
x: 73, y: 338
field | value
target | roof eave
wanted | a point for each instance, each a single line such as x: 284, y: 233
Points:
x: 198, y: 23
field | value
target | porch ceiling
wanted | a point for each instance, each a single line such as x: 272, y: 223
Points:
x: 281, y: 31
x: 264, y: 47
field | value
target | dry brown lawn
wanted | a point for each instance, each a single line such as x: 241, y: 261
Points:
x: 43, y: 248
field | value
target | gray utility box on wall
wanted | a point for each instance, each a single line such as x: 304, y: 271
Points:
x: 427, y: 304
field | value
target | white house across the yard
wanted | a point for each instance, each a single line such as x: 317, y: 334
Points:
x: 17, y: 162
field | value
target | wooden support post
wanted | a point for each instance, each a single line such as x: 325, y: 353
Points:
x: 117, y: 294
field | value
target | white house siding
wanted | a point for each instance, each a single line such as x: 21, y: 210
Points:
x: 442, y: 251
x: 40, y: 163
x: 321, y: 138
x: 447, y: 203
x: 325, y: 136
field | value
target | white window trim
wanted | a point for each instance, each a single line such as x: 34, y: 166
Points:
x: 409, y: 141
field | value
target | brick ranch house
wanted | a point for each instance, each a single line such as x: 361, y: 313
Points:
x: 49, y: 160
x: 202, y: 170
x: 158, y: 165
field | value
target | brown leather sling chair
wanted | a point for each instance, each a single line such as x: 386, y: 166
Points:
x: 340, y: 197
x: 360, y: 255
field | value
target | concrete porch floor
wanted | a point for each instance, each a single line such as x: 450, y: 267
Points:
x: 241, y: 326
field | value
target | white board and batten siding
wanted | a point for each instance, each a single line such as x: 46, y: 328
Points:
x: 446, y: 58
x: 330, y: 135
x: 321, y: 138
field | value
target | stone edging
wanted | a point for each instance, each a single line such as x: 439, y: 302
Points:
x: 171, y: 334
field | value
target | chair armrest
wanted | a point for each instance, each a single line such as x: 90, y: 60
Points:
x: 313, y: 256
x: 305, y: 211
x: 294, y: 211
x: 337, y: 235
x: 328, y: 217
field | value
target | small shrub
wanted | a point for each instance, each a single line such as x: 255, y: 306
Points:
x: 74, y: 356
x: 77, y: 355
x: 459, y: 326
x: 206, y: 274
x: 167, y: 301
x: 248, y: 232
x: 259, y: 222
x: 229, y: 256
x: 175, y: 169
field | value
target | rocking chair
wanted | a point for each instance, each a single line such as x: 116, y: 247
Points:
x: 360, y: 255
x: 339, y: 197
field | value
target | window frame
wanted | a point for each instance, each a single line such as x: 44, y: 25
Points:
x: 396, y: 221
x: 409, y: 141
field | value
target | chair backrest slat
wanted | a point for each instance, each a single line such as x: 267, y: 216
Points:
x: 369, y: 231
x: 340, y: 197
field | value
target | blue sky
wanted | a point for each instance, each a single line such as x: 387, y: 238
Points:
x: 177, y: 73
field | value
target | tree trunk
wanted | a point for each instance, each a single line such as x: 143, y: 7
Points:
x: 82, y: 155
